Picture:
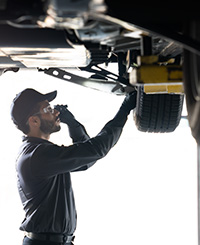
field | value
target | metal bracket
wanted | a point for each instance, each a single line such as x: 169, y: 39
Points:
x: 105, y: 73
x: 97, y: 84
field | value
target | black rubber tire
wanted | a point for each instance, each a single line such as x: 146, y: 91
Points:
x: 158, y: 113
x: 191, y: 70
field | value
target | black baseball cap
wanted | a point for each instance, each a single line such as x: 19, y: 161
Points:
x: 25, y: 101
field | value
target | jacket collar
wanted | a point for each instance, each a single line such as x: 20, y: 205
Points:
x: 28, y: 139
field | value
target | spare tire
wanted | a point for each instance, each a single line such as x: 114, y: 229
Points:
x: 158, y: 113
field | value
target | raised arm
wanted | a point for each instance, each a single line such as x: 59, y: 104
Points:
x: 80, y: 156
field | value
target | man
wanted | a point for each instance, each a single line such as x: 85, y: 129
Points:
x: 43, y: 168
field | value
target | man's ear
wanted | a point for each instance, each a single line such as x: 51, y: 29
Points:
x: 34, y: 121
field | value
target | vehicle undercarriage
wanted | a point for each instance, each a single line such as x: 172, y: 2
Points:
x: 155, y: 49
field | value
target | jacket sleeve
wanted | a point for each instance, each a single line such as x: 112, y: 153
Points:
x: 79, y: 134
x: 50, y: 159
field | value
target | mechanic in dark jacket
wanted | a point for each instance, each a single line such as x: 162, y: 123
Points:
x: 43, y: 168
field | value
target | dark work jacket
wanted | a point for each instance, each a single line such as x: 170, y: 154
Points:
x: 43, y: 171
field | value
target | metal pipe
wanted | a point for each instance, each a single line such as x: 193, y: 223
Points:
x: 198, y: 189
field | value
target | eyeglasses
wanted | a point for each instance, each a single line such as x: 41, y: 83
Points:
x: 47, y: 109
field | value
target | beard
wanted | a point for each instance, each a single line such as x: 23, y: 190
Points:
x: 49, y: 127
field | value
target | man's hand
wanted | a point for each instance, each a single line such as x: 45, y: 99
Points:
x: 129, y: 102
x: 65, y: 115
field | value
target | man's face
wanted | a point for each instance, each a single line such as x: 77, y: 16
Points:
x: 49, y: 118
